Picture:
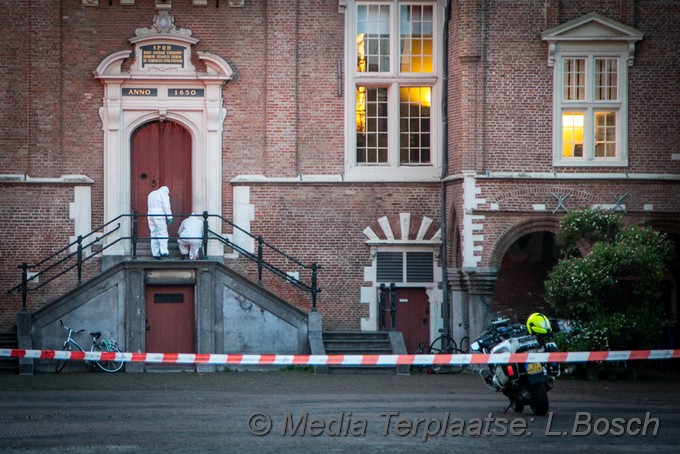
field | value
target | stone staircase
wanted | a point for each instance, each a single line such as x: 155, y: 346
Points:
x: 8, y: 339
x: 363, y: 343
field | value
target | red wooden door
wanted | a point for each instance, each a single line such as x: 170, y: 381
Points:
x: 160, y: 155
x: 170, y: 326
x: 412, y: 318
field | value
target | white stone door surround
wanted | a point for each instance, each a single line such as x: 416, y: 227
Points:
x: 161, y: 83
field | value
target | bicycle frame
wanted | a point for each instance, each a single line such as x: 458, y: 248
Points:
x: 70, y: 340
x: 104, y: 345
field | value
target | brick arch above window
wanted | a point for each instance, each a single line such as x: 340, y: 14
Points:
x: 530, y: 195
x: 401, y: 229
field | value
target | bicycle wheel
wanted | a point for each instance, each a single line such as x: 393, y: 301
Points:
x: 62, y: 362
x: 464, y: 345
x: 108, y: 366
x: 422, y: 349
x: 445, y: 345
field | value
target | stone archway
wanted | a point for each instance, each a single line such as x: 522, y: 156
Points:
x: 519, y: 289
x: 523, y: 258
x: 514, y: 233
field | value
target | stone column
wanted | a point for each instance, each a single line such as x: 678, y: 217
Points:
x: 205, y: 315
x: 134, y: 321
x: 116, y: 178
x: 458, y: 298
x: 315, y: 334
x: 25, y: 341
x: 481, y: 283
x: 211, y: 172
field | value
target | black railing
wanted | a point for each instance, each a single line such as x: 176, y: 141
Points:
x: 385, y: 291
x: 61, y: 262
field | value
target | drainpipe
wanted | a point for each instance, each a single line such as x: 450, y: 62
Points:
x: 446, y: 309
x: 297, y: 88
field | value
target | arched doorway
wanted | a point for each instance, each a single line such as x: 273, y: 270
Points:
x: 160, y: 155
x: 519, y: 287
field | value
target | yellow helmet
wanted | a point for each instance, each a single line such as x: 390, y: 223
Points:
x: 538, y: 323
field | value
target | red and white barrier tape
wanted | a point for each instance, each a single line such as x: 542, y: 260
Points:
x: 344, y: 360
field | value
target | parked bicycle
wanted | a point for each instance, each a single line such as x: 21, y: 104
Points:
x: 464, y: 343
x: 444, y: 344
x: 98, y: 345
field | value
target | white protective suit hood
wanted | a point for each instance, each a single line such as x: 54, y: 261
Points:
x: 159, y: 201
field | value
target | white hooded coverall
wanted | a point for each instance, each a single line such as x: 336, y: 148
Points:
x: 190, y: 234
x: 159, y: 205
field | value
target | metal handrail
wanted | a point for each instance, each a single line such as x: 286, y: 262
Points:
x: 208, y: 234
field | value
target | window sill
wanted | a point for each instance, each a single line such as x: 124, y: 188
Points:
x: 393, y: 174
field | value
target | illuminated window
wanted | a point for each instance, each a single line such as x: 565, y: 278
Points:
x: 572, y: 135
x: 414, y: 125
x: 416, y: 33
x: 372, y: 130
x: 590, y: 96
x: 393, y: 82
x: 589, y: 109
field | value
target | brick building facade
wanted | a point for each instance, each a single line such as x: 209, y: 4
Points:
x: 377, y: 139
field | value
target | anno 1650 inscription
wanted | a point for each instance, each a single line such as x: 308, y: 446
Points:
x: 162, y: 54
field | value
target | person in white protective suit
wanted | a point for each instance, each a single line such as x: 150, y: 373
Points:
x: 190, y: 236
x: 159, y: 213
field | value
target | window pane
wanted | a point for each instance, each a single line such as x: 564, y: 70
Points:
x: 606, y: 79
x: 414, y: 125
x: 416, y: 28
x: 373, y: 38
x: 574, y: 79
x: 371, y: 125
x: 572, y: 134
x: 605, y: 134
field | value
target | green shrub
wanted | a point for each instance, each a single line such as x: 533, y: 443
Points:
x: 613, y: 292
x: 588, y: 225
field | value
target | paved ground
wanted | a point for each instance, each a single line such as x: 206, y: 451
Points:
x: 296, y: 411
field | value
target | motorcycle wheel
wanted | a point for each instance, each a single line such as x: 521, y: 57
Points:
x: 539, y: 399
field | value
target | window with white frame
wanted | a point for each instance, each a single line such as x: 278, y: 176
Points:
x: 591, y: 55
x: 591, y: 109
x: 393, y: 79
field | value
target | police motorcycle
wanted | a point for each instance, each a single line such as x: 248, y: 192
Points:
x: 521, y: 383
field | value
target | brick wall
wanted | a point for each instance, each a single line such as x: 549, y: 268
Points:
x: 514, y: 91
x: 34, y: 224
x: 500, y: 114
x: 324, y: 224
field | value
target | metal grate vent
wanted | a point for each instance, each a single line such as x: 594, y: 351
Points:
x: 390, y: 266
x: 419, y: 267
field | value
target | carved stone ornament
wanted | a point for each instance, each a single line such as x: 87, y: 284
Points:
x: 164, y: 23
